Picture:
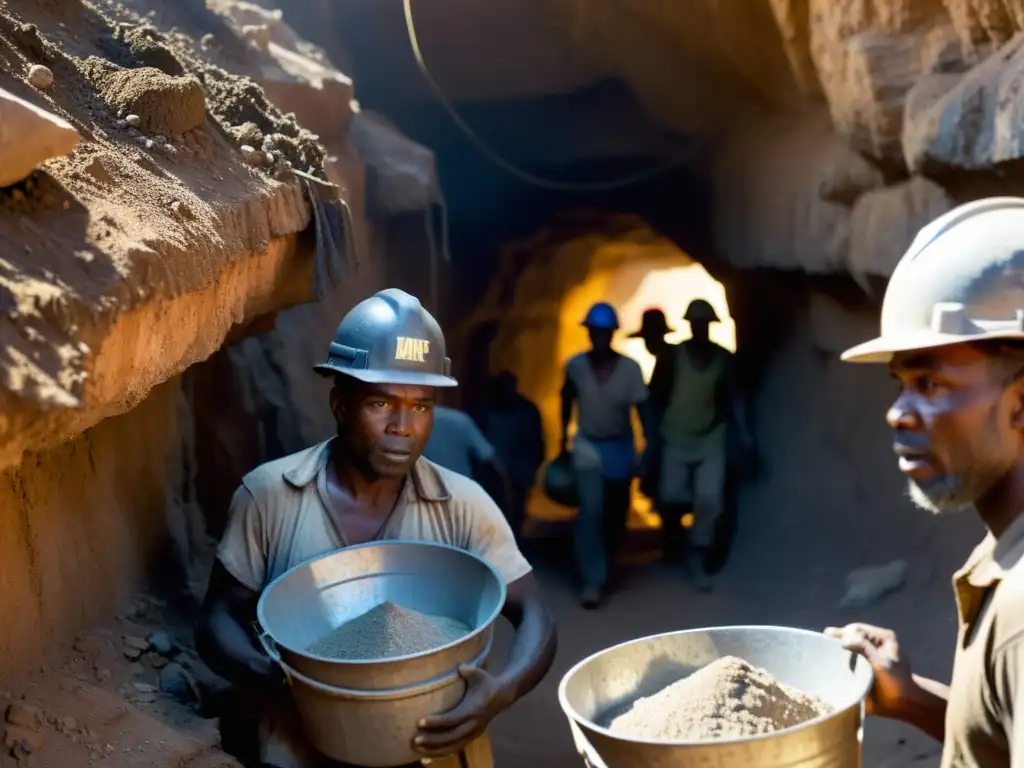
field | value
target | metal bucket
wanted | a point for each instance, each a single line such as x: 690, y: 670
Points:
x: 611, y: 679
x: 312, y: 599
x: 365, y: 712
x: 370, y: 728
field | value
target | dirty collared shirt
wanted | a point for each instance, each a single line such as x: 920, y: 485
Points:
x: 280, y: 518
x: 985, y: 715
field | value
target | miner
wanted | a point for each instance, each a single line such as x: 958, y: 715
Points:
x: 952, y: 334
x: 370, y: 483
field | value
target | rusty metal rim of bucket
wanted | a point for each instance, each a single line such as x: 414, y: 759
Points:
x: 569, y: 710
x: 484, y: 626
x: 406, y: 691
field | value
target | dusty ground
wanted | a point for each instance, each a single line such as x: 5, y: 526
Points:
x: 102, y: 704
x: 120, y: 718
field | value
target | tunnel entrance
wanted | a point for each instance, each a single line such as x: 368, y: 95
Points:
x: 544, y: 286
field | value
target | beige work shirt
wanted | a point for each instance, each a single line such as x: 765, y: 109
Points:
x: 982, y: 729
x: 603, y: 407
x: 280, y: 518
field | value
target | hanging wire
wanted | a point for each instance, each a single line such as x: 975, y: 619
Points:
x: 498, y: 160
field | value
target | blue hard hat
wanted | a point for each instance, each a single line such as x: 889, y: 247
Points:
x: 602, y: 315
x: 389, y: 339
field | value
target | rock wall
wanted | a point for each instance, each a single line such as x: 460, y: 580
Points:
x: 85, y: 524
x: 135, y: 257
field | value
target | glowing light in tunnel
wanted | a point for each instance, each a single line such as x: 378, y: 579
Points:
x: 671, y: 290
x: 669, y: 281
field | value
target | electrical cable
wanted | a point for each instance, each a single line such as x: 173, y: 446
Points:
x: 498, y: 160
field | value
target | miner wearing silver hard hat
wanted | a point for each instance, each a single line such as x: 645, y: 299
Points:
x: 603, y: 388
x: 700, y: 409
x: 370, y: 483
x: 952, y: 334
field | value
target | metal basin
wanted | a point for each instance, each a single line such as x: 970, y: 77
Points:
x: 309, y: 601
x: 610, y: 680
x: 365, y: 712
x: 374, y: 729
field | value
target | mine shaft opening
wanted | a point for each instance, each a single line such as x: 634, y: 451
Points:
x: 529, y: 322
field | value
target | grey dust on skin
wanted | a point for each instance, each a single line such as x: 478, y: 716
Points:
x: 386, y: 632
x: 727, y: 699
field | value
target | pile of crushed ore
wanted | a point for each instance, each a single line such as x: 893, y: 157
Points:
x: 727, y: 699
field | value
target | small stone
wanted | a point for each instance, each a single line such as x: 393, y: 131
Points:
x: 144, y: 698
x: 67, y: 724
x: 144, y: 687
x: 87, y: 645
x: 16, y: 737
x: 66, y: 205
x: 25, y: 715
x: 168, y: 149
x: 257, y: 34
x: 149, y: 143
x: 133, y: 120
x: 866, y: 586
x: 155, y: 660
x: 102, y: 674
x: 132, y: 653
x: 177, y: 682
x: 121, y: 123
x: 252, y: 156
x: 40, y: 77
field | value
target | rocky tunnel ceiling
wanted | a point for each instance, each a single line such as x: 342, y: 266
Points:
x: 542, y: 104
x: 825, y: 132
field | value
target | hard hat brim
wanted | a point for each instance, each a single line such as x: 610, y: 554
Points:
x: 697, y: 319
x: 882, y: 349
x: 388, y: 377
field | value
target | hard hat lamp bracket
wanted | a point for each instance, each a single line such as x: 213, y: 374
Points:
x: 349, y: 357
x: 950, y: 318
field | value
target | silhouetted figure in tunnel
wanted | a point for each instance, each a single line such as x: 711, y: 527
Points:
x: 653, y: 330
x: 702, y: 403
x: 512, y: 423
x: 603, y: 387
x: 456, y: 443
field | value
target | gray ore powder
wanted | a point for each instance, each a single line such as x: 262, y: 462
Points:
x: 386, y: 632
x: 727, y: 699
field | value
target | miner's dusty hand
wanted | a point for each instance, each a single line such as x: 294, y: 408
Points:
x: 448, y: 732
x: 894, y: 684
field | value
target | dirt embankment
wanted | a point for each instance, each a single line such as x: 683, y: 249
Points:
x: 172, y: 226
x: 135, y: 255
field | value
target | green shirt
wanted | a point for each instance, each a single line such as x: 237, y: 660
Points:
x: 694, y: 422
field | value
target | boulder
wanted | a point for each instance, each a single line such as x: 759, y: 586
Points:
x: 884, y: 222
x: 29, y: 136
x: 969, y: 121
x: 401, y: 175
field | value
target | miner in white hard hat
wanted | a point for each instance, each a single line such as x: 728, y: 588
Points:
x: 953, y: 336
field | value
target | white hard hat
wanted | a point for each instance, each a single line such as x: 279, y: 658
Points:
x: 961, y: 280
